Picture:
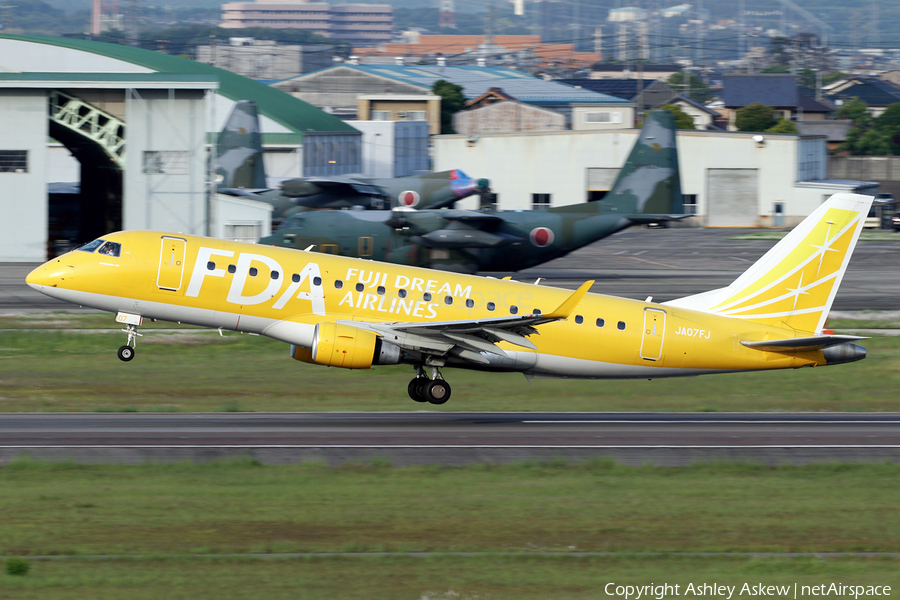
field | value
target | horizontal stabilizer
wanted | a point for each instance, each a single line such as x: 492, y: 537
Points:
x: 641, y: 219
x: 804, y: 344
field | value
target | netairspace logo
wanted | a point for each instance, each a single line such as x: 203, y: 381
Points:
x: 663, y: 590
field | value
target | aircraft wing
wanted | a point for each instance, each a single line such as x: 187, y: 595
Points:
x: 469, y: 338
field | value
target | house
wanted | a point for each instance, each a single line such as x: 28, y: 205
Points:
x: 834, y: 130
x: 653, y: 92
x: 777, y: 91
x: 705, y: 118
x: 619, y: 71
x: 877, y: 93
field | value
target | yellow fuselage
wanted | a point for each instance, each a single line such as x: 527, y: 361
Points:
x: 284, y: 293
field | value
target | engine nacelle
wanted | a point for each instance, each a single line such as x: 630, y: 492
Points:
x: 336, y: 345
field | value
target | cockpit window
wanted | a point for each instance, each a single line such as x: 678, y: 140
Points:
x: 91, y: 246
x: 110, y: 249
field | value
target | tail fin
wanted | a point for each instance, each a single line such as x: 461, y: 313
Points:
x: 649, y: 181
x: 239, y: 155
x: 794, y: 283
x: 648, y: 188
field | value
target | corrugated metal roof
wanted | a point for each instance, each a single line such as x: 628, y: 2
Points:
x: 279, y: 106
x: 475, y: 81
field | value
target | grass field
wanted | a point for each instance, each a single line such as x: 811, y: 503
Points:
x: 47, y: 369
x: 510, y: 511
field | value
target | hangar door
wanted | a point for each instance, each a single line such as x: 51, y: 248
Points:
x: 599, y: 182
x: 732, y: 197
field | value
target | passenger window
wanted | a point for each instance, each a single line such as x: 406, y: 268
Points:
x: 253, y: 271
x: 448, y: 300
x: 111, y: 249
x: 600, y: 322
x: 317, y: 281
x: 401, y: 293
x: 91, y: 246
x: 426, y: 297
x: 621, y: 325
x: 491, y: 306
x: 295, y: 278
x: 275, y: 274
x: 211, y: 266
x: 579, y: 319
x: 232, y: 268
x: 470, y: 303
x: 338, y: 284
x: 360, y: 287
x: 380, y: 290
x: 513, y: 310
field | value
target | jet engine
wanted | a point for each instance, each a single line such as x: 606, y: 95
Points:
x: 337, y: 345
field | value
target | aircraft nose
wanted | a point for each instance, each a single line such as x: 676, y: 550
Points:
x: 37, y: 279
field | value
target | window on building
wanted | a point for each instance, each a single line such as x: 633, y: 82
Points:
x: 166, y: 162
x: 597, y: 117
x: 13, y: 161
x: 243, y: 232
x: 415, y: 115
x: 381, y: 115
x: 540, y: 201
x: 690, y: 204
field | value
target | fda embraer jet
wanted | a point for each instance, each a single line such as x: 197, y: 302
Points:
x: 352, y: 313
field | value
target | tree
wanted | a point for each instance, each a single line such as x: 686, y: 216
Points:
x: 888, y: 123
x: 699, y: 91
x: 783, y: 126
x: 682, y: 119
x: 755, y: 117
x: 866, y: 142
x: 776, y: 69
x: 857, y: 111
x: 832, y: 77
x: 452, y: 101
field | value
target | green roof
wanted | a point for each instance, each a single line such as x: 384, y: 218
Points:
x: 281, y: 107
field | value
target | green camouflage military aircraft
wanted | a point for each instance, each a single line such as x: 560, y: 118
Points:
x: 240, y: 172
x: 647, y: 190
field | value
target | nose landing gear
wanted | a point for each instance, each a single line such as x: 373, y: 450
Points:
x: 131, y: 322
x: 434, y: 390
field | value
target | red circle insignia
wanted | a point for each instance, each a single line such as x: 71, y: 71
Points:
x: 541, y: 237
x: 409, y: 199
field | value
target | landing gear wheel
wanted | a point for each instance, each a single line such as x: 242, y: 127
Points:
x: 437, y: 391
x: 415, y: 389
x: 125, y: 353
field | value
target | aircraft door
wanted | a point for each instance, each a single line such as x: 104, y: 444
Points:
x: 171, y: 263
x: 366, y: 245
x: 653, y: 334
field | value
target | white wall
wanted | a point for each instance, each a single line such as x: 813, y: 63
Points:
x: 557, y: 163
x: 175, y: 200
x: 377, y: 147
x: 230, y: 210
x: 23, y: 201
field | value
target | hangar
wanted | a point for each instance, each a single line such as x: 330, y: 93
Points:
x: 140, y: 124
x: 729, y: 179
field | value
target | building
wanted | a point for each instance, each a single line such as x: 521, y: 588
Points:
x: 358, y: 24
x: 400, y: 107
x: 620, y: 71
x: 337, y: 89
x: 705, y: 118
x: 266, y: 59
x: 728, y: 179
x: 137, y: 127
x: 649, y: 92
x: 780, y: 92
x: 877, y: 93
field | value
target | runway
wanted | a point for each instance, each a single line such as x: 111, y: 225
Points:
x: 635, y: 263
x: 454, y: 438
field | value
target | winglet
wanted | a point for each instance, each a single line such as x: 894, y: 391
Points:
x: 566, y: 308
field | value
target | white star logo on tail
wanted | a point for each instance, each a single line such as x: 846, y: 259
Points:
x: 825, y: 247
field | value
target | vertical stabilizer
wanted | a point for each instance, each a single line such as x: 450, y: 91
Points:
x: 239, y: 155
x: 794, y: 283
x: 649, y: 182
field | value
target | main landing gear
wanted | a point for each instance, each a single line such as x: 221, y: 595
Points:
x: 423, y: 389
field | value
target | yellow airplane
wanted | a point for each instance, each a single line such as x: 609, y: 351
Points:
x: 354, y: 313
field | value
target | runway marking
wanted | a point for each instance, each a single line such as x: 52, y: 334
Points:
x: 639, y: 253
x: 711, y: 422
x: 740, y: 259
x: 439, y: 446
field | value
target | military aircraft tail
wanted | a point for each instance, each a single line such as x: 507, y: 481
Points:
x: 794, y: 283
x: 648, y: 188
x: 239, y: 154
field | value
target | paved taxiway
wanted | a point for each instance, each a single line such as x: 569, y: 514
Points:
x: 455, y: 438
x: 635, y: 263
